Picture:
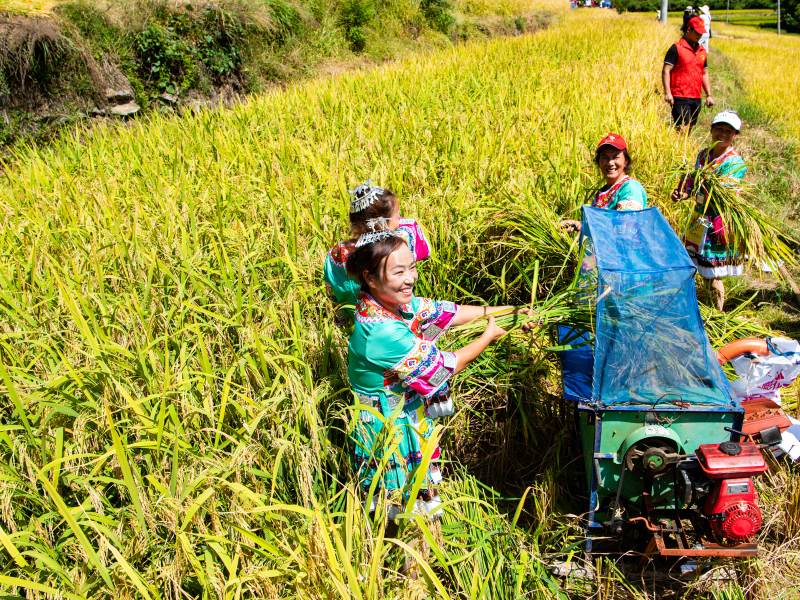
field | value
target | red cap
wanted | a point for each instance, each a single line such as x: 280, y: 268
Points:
x: 697, y: 24
x: 614, y: 140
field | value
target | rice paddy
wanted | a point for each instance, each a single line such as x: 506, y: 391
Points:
x: 767, y: 66
x: 27, y: 7
x: 174, y: 393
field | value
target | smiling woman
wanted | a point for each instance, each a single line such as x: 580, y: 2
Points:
x: 709, y: 244
x: 398, y: 374
x: 620, y: 191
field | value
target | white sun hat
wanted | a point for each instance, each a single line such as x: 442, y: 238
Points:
x: 705, y: 9
x: 729, y: 117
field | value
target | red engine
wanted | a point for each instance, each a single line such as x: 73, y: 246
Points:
x: 732, y: 505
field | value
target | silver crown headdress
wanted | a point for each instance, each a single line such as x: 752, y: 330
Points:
x: 363, y: 196
x: 378, y: 230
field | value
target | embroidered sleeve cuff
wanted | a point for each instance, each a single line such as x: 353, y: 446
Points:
x: 425, y: 369
x: 440, y: 321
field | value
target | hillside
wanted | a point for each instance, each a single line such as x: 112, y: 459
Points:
x: 63, y: 61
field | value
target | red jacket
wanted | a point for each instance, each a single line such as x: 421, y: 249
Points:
x: 686, y: 77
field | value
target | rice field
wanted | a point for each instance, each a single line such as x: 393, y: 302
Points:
x: 173, y: 383
x: 767, y: 67
x: 750, y: 17
x: 27, y: 7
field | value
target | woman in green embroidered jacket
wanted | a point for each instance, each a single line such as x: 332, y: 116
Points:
x: 396, y: 370
x: 369, y: 204
x: 620, y: 191
x: 706, y: 240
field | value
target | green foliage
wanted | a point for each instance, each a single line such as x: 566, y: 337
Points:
x: 790, y: 14
x: 166, y: 61
x: 180, y: 47
x: 355, y: 15
x: 219, y: 45
x: 287, y: 21
x: 439, y: 14
x: 92, y: 25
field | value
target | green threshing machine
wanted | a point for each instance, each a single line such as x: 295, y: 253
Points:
x: 666, y: 460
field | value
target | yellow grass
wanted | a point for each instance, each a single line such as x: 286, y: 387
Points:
x: 172, y: 379
x: 508, y: 7
x: 27, y: 7
x: 769, y: 69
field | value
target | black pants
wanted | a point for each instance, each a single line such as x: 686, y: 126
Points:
x: 685, y: 111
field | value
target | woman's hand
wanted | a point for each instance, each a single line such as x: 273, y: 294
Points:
x: 530, y: 324
x: 493, y: 331
x: 570, y: 226
x: 471, y: 351
x: 678, y: 194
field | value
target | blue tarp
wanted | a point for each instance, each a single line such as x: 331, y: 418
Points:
x: 650, y: 345
x: 576, y: 363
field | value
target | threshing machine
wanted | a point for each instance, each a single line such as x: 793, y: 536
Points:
x: 666, y: 460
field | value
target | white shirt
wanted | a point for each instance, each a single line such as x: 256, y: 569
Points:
x: 706, y: 36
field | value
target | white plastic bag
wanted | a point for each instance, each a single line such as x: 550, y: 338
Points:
x: 764, y: 376
x: 790, y: 444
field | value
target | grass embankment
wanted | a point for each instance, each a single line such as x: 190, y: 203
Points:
x: 62, y: 60
x: 174, y: 383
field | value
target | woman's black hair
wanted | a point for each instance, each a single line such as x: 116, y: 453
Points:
x: 371, y: 258
x: 624, y: 153
x: 382, y: 207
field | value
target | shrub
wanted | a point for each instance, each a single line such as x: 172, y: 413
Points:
x: 438, y: 13
x: 219, y: 46
x: 180, y: 46
x: 286, y: 20
x: 355, y: 15
x: 167, y: 63
x: 790, y: 14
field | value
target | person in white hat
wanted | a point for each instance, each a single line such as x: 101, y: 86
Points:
x: 705, y: 15
x: 706, y: 239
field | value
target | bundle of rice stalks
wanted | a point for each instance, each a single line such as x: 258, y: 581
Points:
x: 560, y: 307
x: 523, y: 238
x: 750, y: 233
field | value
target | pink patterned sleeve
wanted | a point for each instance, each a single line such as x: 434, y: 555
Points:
x: 424, y: 368
x: 421, y: 248
x: 435, y: 317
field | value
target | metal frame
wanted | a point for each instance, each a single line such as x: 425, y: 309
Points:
x: 657, y: 543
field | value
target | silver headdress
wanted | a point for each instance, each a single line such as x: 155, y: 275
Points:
x: 376, y: 236
x: 378, y: 230
x: 364, y: 195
